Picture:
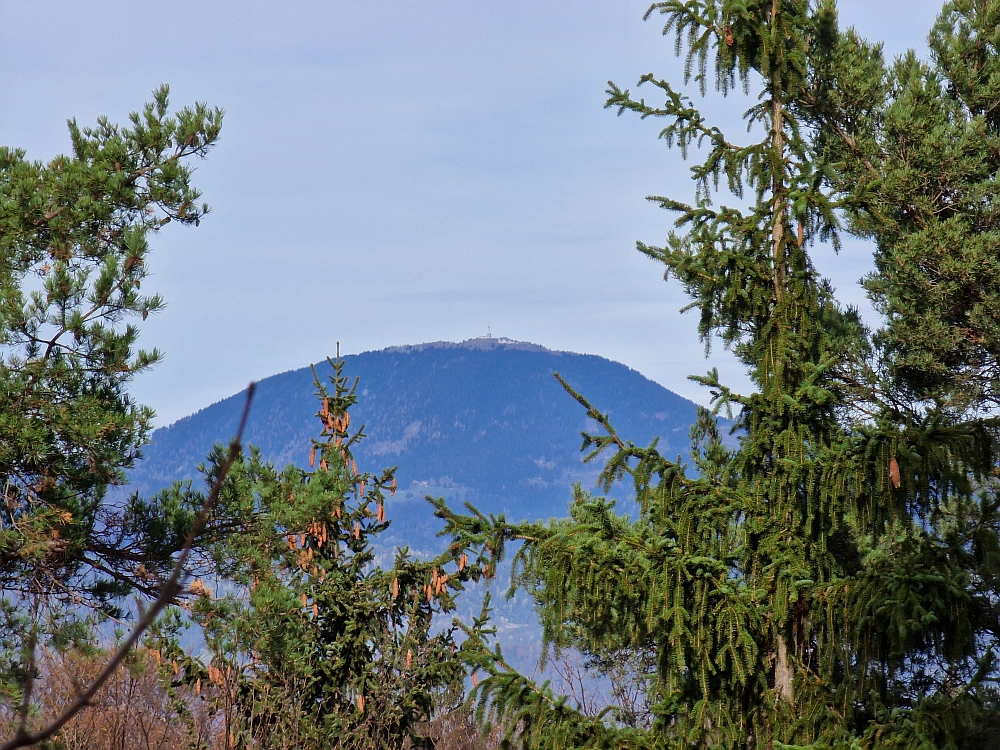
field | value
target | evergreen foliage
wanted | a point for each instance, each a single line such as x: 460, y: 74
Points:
x: 832, y: 583
x: 74, y: 246
x: 313, y: 643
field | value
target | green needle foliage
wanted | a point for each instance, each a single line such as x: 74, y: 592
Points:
x: 314, y: 642
x: 74, y: 246
x: 834, y: 582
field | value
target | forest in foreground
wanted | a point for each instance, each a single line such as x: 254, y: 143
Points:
x: 831, y: 580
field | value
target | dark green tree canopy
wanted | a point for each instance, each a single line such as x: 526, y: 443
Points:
x: 74, y: 253
x: 833, y: 583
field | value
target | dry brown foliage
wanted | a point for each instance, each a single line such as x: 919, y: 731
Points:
x: 132, y: 711
x: 137, y: 710
x: 458, y: 731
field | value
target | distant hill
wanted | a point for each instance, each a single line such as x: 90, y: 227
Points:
x: 482, y: 420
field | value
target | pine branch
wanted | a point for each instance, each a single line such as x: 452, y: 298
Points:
x: 170, y: 589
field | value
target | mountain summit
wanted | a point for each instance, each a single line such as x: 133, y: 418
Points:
x: 482, y: 420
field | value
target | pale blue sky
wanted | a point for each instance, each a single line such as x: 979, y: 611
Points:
x: 393, y: 173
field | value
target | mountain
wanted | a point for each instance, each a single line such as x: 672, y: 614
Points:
x: 482, y: 421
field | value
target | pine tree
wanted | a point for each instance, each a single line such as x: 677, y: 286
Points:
x: 74, y: 247
x: 833, y: 582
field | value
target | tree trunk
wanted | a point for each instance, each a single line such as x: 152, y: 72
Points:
x: 783, y: 672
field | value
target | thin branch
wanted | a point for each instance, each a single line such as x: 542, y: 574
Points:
x: 170, y: 589
x: 120, y: 577
x: 593, y: 413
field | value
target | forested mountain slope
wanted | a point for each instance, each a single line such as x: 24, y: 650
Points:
x: 483, y: 420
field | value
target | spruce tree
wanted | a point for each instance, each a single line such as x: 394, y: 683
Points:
x: 834, y: 581
x: 317, y: 638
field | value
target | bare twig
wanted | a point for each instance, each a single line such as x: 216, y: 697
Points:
x: 173, y: 586
x: 569, y: 668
